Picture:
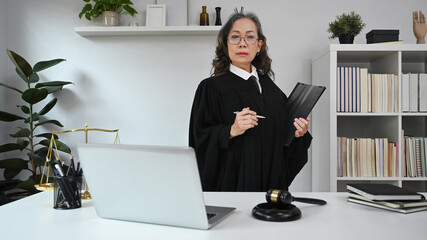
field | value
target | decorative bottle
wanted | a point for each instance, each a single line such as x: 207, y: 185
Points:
x: 218, y: 16
x: 204, y: 17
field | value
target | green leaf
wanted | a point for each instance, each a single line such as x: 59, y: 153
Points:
x: 130, y: 10
x: 25, y: 109
x: 85, y: 9
x: 47, y: 136
x: 34, y: 95
x: 34, y: 78
x: 37, y: 159
x: 8, y: 117
x: 61, y: 146
x: 40, y: 66
x: 21, y: 75
x: 52, y: 84
x: 25, y: 132
x: 56, y: 122
x: 9, y: 174
x: 10, y: 147
x: 28, y: 185
x: 42, y: 152
x: 48, y: 107
x: 23, y: 143
x: 14, y: 163
x: 20, y: 63
x: 53, y: 89
x: 87, y: 16
x: 7, y: 86
x: 35, y: 118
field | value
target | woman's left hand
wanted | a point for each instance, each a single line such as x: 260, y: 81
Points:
x: 302, y: 126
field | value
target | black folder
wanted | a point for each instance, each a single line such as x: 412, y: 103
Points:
x: 300, y: 103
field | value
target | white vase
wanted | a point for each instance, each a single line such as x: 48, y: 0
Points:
x: 110, y: 18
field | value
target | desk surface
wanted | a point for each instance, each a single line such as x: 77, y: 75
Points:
x: 34, y: 216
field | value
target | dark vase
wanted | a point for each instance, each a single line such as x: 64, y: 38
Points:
x: 347, y: 39
x: 204, y: 17
x: 218, y: 16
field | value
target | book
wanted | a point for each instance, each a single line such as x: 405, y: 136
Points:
x: 405, y: 92
x: 389, y: 93
x: 338, y: 89
x: 418, y: 157
x: 393, y: 42
x: 413, y: 92
x: 383, y: 191
x: 423, y: 92
x: 364, y: 90
x: 300, y: 103
x: 373, y: 204
x: 392, y: 203
x: 342, y: 89
x: 396, y: 93
x: 369, y: 93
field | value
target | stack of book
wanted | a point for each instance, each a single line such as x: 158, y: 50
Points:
x: 415, y: 156
x: 360, y: 91
x: 367, y: 157
x: 386, y: 196
x: 414, y: 92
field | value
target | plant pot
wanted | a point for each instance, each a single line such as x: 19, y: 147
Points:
x: 347, y: 39
x: 110, y: 18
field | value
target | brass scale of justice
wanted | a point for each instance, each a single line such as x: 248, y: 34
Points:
x: 49, y: 186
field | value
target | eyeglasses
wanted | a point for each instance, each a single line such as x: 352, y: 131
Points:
x: 249, y: 39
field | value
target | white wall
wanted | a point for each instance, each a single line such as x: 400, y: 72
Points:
x: 145, y: 85
x: 3, y: 74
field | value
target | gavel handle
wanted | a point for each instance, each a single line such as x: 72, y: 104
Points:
x: 310, y: 200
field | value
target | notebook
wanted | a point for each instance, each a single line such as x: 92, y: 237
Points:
x: 374, y: 204
x: 150, y: 184
x: 300, y: 103
x: 383, y: 191
x: 391, y: 203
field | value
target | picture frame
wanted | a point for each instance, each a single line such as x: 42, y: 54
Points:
x: 156, y: 15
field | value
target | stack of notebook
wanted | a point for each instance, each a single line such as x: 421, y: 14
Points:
x: 386, y: 196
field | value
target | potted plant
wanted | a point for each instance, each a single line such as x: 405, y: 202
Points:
x: 346, y: 27
x: 28, y: 138
x: 109, y: 10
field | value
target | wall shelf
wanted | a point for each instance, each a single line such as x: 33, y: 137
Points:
x: 101, y: 31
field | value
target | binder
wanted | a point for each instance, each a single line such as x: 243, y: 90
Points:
x: 300, y: 103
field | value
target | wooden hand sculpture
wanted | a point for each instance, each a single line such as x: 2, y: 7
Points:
x: 419, y: 26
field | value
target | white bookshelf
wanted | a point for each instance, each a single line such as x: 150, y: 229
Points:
x: 328, y: 124
x: 99, y: 31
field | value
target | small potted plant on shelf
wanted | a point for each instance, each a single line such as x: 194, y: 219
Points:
x: 109, y: 10
x: 346, y: 27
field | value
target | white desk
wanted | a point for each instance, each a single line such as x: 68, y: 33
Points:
x: 34, y: 218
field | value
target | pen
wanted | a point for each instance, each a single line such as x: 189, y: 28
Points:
x: 72, y: 164
x: 78, y: 167
x: 59, y: 169
x: 258, y: 116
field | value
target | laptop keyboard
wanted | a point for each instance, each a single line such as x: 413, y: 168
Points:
x: 210, y: 215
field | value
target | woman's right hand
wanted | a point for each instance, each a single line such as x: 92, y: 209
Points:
x: 244, y: 120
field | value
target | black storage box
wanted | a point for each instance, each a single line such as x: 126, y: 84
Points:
x: 378, y: 36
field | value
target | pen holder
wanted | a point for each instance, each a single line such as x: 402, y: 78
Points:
x: 66, y: 194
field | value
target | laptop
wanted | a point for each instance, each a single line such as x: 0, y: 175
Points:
x: 150, y: 184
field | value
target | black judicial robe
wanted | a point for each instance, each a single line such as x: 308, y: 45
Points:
x: 256, y: 160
